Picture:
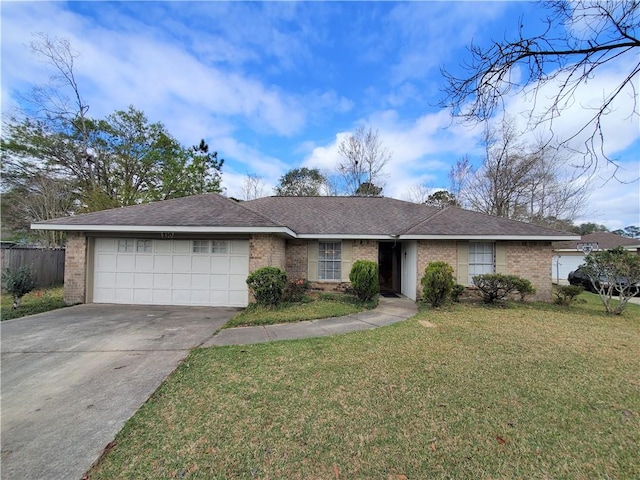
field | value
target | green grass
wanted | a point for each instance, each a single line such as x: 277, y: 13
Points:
x: 462, y: 392
x: 323, y: 305
x: 38, y: 301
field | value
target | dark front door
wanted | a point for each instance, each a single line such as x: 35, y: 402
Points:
x: 389, y: 262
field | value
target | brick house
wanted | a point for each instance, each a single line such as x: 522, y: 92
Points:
x: 199, y: 250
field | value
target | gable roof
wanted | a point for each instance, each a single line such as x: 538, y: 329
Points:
x: 305, y: 217
x: 197, y: 213
x: 343, y: 215
x: 605, y: 241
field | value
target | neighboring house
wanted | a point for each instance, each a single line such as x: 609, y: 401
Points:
x: 199, y: 250
x: 569, y: 255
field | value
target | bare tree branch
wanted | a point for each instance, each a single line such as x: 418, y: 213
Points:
x: 519, y: 181
x: 363, y: 160
x: 580, y: 38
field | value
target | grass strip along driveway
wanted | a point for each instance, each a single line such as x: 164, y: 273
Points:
x: 38, y: 301
x: 466, y: 392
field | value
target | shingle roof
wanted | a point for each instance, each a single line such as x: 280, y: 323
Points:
x: 605, y: 241
x: 198, y: 210
x: 339, y: 216
x: 457, y: 221
x: 343, y: 215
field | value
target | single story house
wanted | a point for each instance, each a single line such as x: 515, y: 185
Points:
x: 569, y: 255
x: 199, y: 250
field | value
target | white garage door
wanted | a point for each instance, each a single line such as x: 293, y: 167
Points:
x: 563, y: 264
x: 171, y: 272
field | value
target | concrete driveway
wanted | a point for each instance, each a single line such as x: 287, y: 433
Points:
x: 72, y: 377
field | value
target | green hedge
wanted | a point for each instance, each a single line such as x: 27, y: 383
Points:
x: 267, y: 285
x: 364, y: 280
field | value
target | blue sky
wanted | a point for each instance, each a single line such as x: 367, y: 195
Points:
x: 276, y: 85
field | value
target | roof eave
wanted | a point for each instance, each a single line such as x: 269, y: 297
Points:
x: 552, y: 238
x: 161, y: 228
x: 347, y: 236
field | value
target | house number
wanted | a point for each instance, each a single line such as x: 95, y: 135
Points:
x: 166, y: 234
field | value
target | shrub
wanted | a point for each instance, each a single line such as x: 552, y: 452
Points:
x: 456, y: 291
x: 614, y: 272
x: 18, y: 283
x: 296, y: 290
x: 267, y: 285
x: 496, y: 286
x: 566, y: 294
x: 437, y: 283
x: 523, y: 286
x: 364, y: 280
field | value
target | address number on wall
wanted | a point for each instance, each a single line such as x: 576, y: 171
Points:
x: 166, y: 235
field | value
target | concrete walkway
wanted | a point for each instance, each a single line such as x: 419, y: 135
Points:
x: 388, y: 311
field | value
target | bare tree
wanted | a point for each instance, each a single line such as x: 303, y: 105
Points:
x: 459, y: 176
x: 331, y: 185
x: 253, y: 186
x: 363, y: 160
x: 519, y: 181
x: 418, y: 193
x: 59, y: 103
x: 498, y: 187
x: 33, y: 193
x: 580, y: 38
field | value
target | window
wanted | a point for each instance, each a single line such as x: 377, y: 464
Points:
x: 145, y: 246
x: 218, y: 246
x: 329, y: 261
x: 201, y: 246
x: 481, y: 259
x: 125, y: 245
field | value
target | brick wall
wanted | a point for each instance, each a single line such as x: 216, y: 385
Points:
x: 75, y: 272
x: 266, y: 251
x: 532, y: 260
x: 365, y: 250
x: 297, y: 259
x: 435, y: 251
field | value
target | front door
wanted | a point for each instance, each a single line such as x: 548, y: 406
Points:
x: 390, y: 266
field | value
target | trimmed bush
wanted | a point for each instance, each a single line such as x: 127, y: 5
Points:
x: 523, y: 286
x: 456, y: 292
x: 496, y: 286
x: 364, y: 280
x: 437, y: 283
x: 567, y: 294
x: 267, y: 285
x: 18, y: 283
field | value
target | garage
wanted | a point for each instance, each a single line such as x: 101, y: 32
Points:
x: 146, y: 271
x: 561, y: 265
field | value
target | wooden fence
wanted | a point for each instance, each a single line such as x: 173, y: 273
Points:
x: 47, y: 264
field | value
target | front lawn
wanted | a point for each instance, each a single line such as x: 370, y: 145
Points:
x: 38, y: 301
x: 319, y: 305
x: 463, y: 392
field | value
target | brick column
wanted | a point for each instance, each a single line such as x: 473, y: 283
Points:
x: 297, y: 259
x: 532, y: 260
x: 75, y: 268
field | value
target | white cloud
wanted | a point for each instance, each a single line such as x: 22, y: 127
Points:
x: 248, y: 79
x: 620, y: 125
x: 614, y: 203
x: 125, y: 67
